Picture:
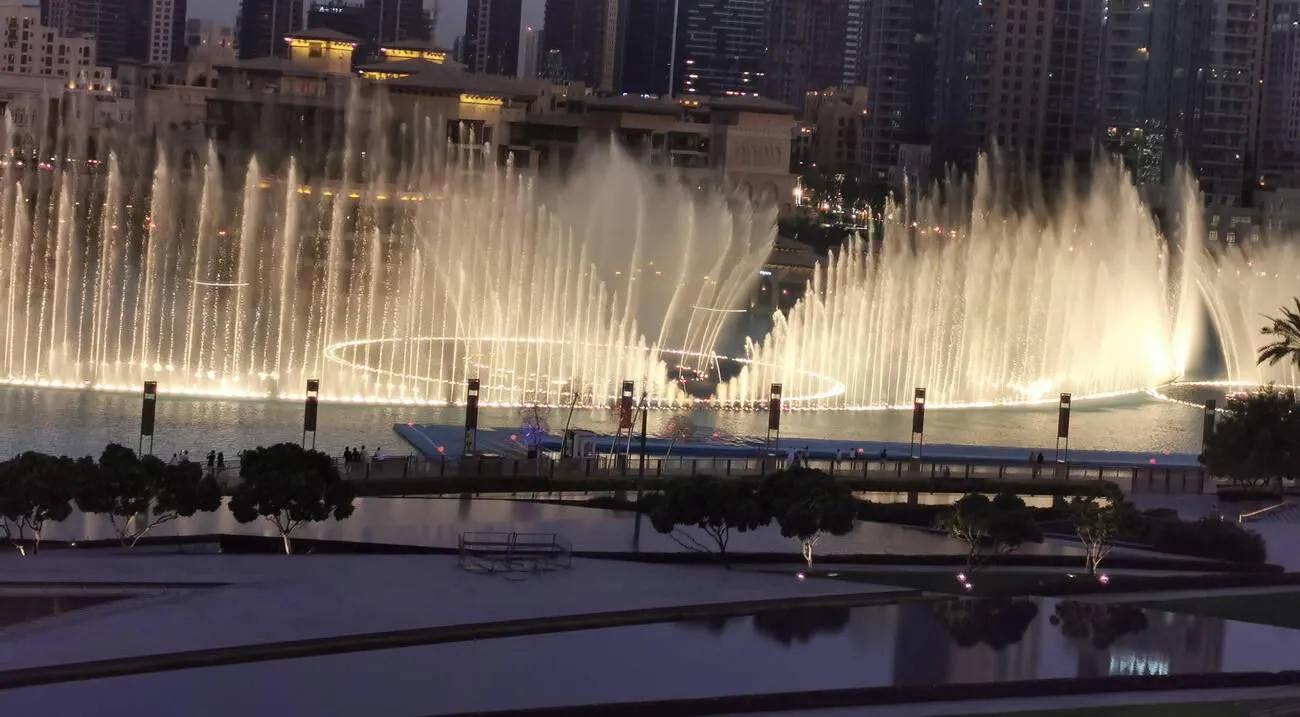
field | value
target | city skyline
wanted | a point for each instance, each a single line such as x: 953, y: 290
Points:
x: 451, y: 21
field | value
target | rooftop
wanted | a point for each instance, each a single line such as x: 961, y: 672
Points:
x: 322, y: 34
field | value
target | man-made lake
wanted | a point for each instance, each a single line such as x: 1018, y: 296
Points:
x: 438, y: 522
x: 80, y: 422
x: 911, y: 644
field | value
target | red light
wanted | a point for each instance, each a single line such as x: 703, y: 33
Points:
x: 442, y: 449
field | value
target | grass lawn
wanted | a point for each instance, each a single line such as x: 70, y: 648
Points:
x: 984, y: 582
x: 1280, y: 608
x: 1164, y: 709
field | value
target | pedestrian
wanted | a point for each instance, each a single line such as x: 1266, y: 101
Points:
x: 212, y: 460
x: 185, y: 456
x: 805, y: 456
x: 347, y: 455
x: 221, y: 461
x: 175, y: 460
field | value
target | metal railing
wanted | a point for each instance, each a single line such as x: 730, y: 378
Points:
x: 1132, y: 479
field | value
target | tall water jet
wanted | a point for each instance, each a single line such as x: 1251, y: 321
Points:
x: 390, y: 280
x: 988, y: 304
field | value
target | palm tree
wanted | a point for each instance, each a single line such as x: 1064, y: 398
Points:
x: 1285, y: 334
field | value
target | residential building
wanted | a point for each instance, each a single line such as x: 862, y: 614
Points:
x: 648, y: 54
x: 898, y: 67
x: 1229, y: 100
x: 577, y: 31
x: 492, y: 36
x: 721, y: 45
x: 139, y: 30
x: 806, y: 48
x: 167, y: 31
x: 1022, y: 75
x: 263, y: 25
x: 1279, y: 140
x: 49, y: 83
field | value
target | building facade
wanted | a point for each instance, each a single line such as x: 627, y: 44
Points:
x: 263, y: 24
x: 138, y: 30
x: 721, y: 47
x: 806, y: 48
x: 1019, y: 75
x: 648, y: 53
x: 491, y: 43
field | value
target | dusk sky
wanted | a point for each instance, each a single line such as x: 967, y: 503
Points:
x: 451, y: 19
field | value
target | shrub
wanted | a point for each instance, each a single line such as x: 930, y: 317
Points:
x: 1211, y: 538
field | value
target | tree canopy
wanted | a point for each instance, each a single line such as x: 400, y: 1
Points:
x: 1284, y: 337
x: 988, y: 526
x: 714, y: 507
x: 1257, y: 439
x: 1098, y: 523
x: 139, y: 493
x: 289, y: 485
x: 35, y: 488
x: 808, y: 504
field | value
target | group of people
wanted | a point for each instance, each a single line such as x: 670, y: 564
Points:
x: 216, y: 460
x: 358, y: 455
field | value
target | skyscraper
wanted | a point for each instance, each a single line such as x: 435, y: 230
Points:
x: 897, y: 68
x: 720, y: 47
x: 1279, y: 139
x: 1022, y: 74
x: 532, y: 49
x: 575, y: 31
x: 348, y: 18
x: 263, y: 25
x: 140, y: 30
x: 805, y: 48
x: 647, y: 34
x: 394, y: 20
x: 492, y: 36
x: 1231, y: 67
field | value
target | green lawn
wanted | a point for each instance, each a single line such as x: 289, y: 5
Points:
x: 983, y: 582
x: 1167, y: 709
x: 1280, y: 608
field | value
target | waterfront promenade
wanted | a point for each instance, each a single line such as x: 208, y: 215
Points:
x: 494, y: 473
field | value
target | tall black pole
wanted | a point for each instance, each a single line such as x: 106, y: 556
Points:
x: 148, y: 408
x: 1207, y: 428
x: 309, y: 412
x: 1063, y: 429
x: 640, y: 473
x: 918, y: 424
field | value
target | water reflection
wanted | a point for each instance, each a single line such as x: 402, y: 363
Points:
x: 964, y: 641
x: 801, y: 625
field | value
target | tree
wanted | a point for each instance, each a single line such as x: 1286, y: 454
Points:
x: 1257, y: 439
x: 1284, y: 332
x: 289, y: 485
x: 140, y: 493
x: 1097, y: 524
x: 715, y: 507
x: 808, y: 504
x: 993, y: 526
x: 35, y: 488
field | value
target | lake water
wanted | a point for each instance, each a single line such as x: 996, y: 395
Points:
x: 914, y: 644
x: 439, y: 522
x: 80, y: 422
